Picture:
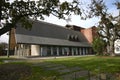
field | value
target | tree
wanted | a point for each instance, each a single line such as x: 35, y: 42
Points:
x: 98, y: 45
x: 108, y: 25
x: 3, y: 46
x: 21, y: 10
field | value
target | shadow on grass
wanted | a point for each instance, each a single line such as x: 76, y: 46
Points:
x: 14, y: 71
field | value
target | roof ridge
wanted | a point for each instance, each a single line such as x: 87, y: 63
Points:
x: 49, y: 23
x: 54, y: 25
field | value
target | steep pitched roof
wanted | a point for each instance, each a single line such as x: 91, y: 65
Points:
x: 49, y: 34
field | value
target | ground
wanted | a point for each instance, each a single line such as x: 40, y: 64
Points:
x: 64, y: 68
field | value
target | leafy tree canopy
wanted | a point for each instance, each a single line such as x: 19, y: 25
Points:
x: 109, y: 25
x: 15, y: 11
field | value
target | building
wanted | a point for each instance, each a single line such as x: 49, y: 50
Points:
x: 45, y: 39
x: 117, y: 47
x: 89, y: 33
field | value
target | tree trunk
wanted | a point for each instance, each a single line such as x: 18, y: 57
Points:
x: 112, y: 48
x: 108, y: 49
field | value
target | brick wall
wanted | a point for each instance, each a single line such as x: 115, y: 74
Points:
x: 89, y: 33
x: 12, y: 39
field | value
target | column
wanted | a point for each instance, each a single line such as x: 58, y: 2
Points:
x: 51, y: 48
x: 76, y: 51
x: 41, y: 51
x: 67, y: 51
x: 79, y: 51
x: 57, y: 51
x: 72, y: 52
x: 20, y: 50
x: 23, y: 50
x: 63, y: 51
x: 83, y: 51
x: 15, y: 52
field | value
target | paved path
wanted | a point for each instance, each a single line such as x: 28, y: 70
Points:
x: 65, y: 73
x: 50, y: 57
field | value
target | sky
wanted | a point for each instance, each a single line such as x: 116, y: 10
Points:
x: 75, y: 20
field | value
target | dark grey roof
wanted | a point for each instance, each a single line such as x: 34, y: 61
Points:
x: 49, y: 34
x: 49, y: 41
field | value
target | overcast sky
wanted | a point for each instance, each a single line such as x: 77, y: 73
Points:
x: 75, y: 20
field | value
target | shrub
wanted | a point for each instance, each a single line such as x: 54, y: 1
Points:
x: 98, y: 46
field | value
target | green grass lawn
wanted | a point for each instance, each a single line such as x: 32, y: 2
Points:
x: 104, y: 64
x: 95, y: 64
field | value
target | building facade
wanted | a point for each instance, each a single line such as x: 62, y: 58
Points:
x: 117, y: 47
x: 89, y: 33
x: 45, y: 39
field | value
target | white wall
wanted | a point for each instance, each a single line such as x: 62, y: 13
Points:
x: 35, y: 50
x: 117, y: 46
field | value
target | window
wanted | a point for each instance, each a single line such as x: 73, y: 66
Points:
x: 73, y: 38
